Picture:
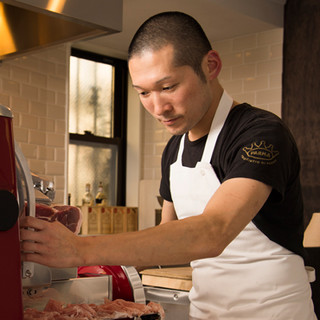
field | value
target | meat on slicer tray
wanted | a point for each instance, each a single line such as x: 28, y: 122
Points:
x: 110, y: 310
x: 69, y: 216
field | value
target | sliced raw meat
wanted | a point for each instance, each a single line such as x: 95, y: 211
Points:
x: 117, y: 309
x: 53, y: 305
x: 44, y: 212
x: 30, y: 314
x: 69, y: 216
x: 156, y: 308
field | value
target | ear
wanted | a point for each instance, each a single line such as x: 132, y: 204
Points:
x: 213, y: 64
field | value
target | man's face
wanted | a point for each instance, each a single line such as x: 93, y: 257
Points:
x: 175, y: 96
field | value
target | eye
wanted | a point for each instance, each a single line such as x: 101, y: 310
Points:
x: 143, y: 93
x: 168, y: 88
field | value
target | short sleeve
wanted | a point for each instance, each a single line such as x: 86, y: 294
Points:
x: 169, y: 156
x: 265, y: 152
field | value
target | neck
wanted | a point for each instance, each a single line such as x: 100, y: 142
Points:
x: 204, y: 128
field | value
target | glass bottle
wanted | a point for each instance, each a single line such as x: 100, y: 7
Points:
x: 100, y: 197
x: 87, y: 199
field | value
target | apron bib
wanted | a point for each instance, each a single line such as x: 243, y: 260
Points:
x: 254, y: 278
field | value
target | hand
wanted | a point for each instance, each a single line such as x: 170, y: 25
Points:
x: 49, y: 243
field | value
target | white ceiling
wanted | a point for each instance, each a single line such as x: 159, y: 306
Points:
x: 221, y: 19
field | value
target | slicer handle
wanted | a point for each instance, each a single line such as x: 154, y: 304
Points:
x: 26, y: 176
x: 167, y: 295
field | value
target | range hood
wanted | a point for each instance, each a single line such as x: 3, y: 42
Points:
x: 28, y: 25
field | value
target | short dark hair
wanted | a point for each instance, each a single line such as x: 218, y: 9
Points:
x: 174, y: 28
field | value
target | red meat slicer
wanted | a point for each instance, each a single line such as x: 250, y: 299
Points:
x: 16, y: 197
x: 11, y: 294
x: 17, y: 186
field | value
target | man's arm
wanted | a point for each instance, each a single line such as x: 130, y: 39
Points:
x: 229, y: 210
x: 168, y: 213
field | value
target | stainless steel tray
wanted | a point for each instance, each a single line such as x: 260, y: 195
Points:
x: 78, y: 290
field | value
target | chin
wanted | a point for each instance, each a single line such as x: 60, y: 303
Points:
x: 177, y: 131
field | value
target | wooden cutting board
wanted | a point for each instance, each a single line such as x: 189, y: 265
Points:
x: 172, y: 278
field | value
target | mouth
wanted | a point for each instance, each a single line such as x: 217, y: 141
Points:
x: 169, y: 122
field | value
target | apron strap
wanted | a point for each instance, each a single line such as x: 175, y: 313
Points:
x: 216, y: 125
x: 181, y: 147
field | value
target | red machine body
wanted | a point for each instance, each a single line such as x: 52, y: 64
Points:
x: 11, y: 289
x: 121, y: 287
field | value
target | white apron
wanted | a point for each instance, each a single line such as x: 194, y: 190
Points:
x: 254, y: 278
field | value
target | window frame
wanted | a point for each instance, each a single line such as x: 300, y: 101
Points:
x: 119, y: 119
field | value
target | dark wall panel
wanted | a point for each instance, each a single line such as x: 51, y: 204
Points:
x: 301, y: 92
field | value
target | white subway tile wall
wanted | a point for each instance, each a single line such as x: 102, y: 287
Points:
x: 35, y: 87
x: 252, y: 71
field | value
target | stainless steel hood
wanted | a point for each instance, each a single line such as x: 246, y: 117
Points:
x: 27, y: 25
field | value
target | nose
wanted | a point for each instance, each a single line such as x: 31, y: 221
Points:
x: 160, y: 104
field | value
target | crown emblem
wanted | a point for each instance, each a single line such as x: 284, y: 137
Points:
x: 261, y: 151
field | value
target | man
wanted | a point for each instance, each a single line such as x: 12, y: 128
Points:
x: 230, y: 182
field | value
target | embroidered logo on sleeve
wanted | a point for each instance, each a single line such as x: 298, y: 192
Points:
x: 260, y: 153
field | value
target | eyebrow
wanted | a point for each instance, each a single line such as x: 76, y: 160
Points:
x: 157, y: 82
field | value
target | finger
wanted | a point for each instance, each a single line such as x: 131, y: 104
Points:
x: 27, y: 234
x: 34, y: 257
x: 31, y: 246
x: 30, y: 235
x: 32, y: 222
x: 38, y: 253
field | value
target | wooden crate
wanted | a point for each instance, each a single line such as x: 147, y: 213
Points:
x: 105, y: 220
x: 108, y: 219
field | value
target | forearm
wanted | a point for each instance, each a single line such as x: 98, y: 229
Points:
x: 175, y: 242
x: 181, y: 241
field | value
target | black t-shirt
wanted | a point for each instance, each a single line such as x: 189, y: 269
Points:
x: 256, y: 144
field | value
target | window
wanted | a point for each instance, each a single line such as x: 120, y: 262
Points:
x: 97, y: 126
